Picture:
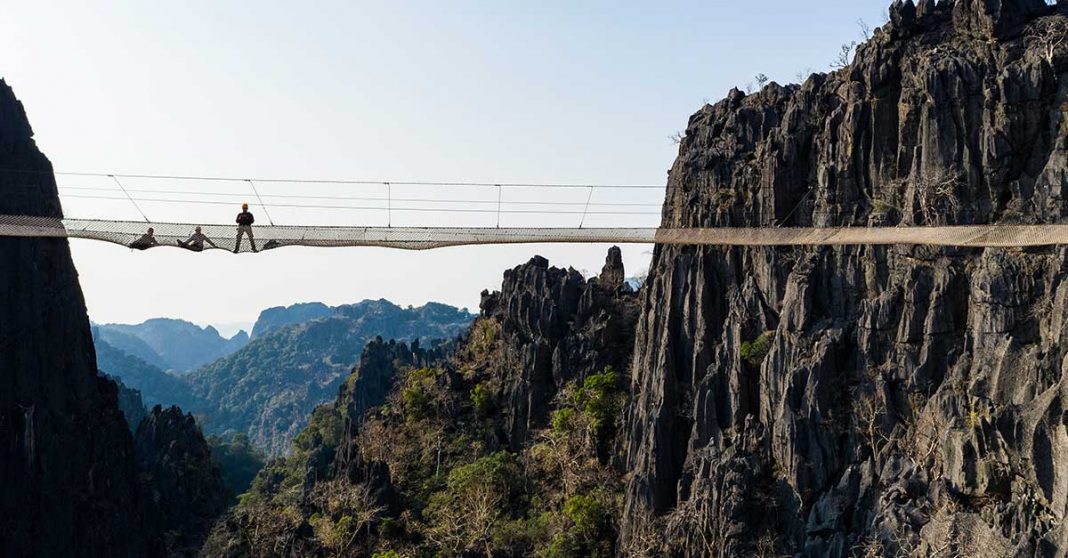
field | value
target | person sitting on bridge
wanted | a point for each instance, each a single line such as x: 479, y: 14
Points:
x: 244, y: 227
x: 196, y: 242
x: 146, y: 241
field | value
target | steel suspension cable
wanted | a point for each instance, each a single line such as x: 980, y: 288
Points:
x: 128, y: 196
x: 364, y: 198
x: 377, y: 208
x: 263, y: 205
x: 796, y: 206
x: 586, y: 208
x: 359, y: 182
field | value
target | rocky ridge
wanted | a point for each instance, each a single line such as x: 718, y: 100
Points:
x: 130, y: 403
x: 172, y: 345
x: 382, y: 467
x: 73, y: 478
x: 557, y: 328
x: 67, y: 465
x: 890, y: 401
x: 185, y: 481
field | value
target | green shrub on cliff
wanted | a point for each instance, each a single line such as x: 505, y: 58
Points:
x: 238, y: 461
x: 601, y: 398
x: 584, y: 531
x: 415, y: 395
x: 482, y: 399
x: 754, y: 351
x: 474, y: 504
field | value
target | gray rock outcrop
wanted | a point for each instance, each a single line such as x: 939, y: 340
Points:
x: 875, y: 401
x: 556, y: 327
x: 185, y: 481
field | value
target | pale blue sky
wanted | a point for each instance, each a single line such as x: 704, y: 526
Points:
x: 443, y: 91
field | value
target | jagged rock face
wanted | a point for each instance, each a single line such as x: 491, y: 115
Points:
x: 557, y: 327
x: 546, y: 329
x: 371, y: 382
x: 69, y: 478
x: 903, y: 400
x: 373, y: 376
x: 613, y: 274
x: 368, y: 386
x: 986, y: 18
x: 186, y: 483
x: 131, y: 404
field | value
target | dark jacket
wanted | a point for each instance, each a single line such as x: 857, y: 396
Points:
x: 245, y: 218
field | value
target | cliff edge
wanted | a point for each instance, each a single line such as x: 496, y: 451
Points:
x: 894, y: 401
x: 67, y: 465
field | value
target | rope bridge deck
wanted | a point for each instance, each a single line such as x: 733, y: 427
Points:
x: 225, y: 237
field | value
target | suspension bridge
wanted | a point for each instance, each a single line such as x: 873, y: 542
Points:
x: 394, y: 216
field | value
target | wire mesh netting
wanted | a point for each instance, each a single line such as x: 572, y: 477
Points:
x: 145, y: 236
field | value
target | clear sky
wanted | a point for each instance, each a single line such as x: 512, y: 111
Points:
x: 534, y: 92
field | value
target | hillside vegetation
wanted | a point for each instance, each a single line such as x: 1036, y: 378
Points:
x: 156, y: 386
x: 268, y: 388
x: 500, y: 444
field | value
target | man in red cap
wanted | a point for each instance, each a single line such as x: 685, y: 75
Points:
x: 244, y: 227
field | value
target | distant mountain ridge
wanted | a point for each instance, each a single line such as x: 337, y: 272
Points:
x: 280, y: 316
x: 268, y: 388
x: 171, y: 344
x: 155, y: 386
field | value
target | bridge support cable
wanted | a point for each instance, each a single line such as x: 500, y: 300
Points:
x: 263, y: 205
x: 586, y: 208
x: 129, y: 197
x: 796, y: 206
x: 499, y: 195
x: 389, y: 204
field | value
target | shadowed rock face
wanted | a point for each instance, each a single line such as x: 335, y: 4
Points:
x: 69, y: 477
x: 903, y: 400
x: 186, y: 483
x: 130, y: 403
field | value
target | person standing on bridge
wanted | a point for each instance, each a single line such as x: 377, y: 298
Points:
x: 244, y: 227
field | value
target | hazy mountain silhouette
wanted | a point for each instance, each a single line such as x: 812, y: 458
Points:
x: 268, y: 388
x: 171, y: 344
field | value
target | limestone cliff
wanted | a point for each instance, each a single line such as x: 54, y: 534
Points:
x: 67, y: 467
x: 876, y: 401
x: 556, y: 328
x: 73, y: 481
